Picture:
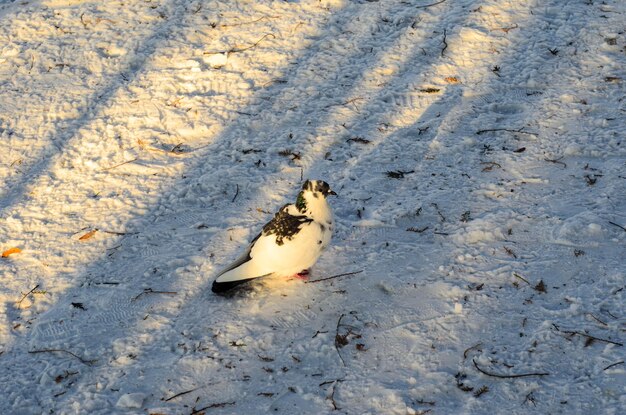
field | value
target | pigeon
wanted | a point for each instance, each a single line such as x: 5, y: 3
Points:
x: 289, y: 244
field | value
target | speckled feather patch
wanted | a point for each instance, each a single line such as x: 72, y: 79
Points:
x: 285, y: 225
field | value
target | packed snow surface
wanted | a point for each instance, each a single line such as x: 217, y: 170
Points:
x: 478, y: 148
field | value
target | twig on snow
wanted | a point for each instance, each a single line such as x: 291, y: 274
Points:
x: 520, y: 131
x: 590, y: 337
x: 337, y: 337
x: 332, y: 395
x: 236, y: 194
x: 505, y: 29
x: 213, y: 405
x: 247, y: 23
x: 436, y: 206
x: 498, y: 375
x: 516, y: 275
x: 19, y: 303
x: 151, y: 291
x: 613, y: 364
x: 236, y: 50
x: 619, y: 226
x: 557, y: 161
x: 445, y: 44
x: 597, y: 319
x: 83, y: 361
x: 335, y: 276
x: 474, y: 347
x: 118, y: 165
x: 82, y: 20
x: 119, y: 233
x: 319, y: 332
x: 180, y: 394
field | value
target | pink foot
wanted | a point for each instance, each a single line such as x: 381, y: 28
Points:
x: 302, y: 275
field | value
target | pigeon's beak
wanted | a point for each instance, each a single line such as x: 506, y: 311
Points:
x: 332, y: 192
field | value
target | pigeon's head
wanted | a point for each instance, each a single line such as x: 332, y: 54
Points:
x: 318, y: 188
x: 312, y: 198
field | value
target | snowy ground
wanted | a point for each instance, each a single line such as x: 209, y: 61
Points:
x: 478, y: 148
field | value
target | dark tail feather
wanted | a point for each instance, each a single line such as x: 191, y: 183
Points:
x: 222, y: 287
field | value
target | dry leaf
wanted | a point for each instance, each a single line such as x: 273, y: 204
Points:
x: 452, y: 80
x: 88, y: 235
x: 11, y: 251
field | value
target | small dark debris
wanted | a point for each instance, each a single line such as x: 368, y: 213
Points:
x: 510, y: 252
x: 591, y: 180
x: 530, y: 398
x: 178, y: 149
x: 319, y: 332
x: 79, y: 305
x: 520, y: 150
x: 483, y: 389
x: 465, y: 217
x: 288, y: 153
x: 578, y: 252
x: 61, y: 378
x: 460, y: 377
x: 266, y: 394
x: 540, y: 287
x: 251, y: 150
x: 554, y: 51
x: 430, y: 90
x: 398, y: 174
x: 361, y: 347
x: 490, y: 165
x: 417, y: 230
x: 476, y: 287
x: 359, y: 140
x: 341, y: 340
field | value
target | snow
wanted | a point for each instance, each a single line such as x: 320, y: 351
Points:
x: 131, y: 400
x: 478, y: 151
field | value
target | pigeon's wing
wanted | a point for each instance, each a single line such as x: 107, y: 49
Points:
x: 267, y: 253
x: 234, y: 274
x: 242, y: 259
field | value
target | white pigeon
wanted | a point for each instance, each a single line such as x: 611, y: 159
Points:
x: 289, y: 244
